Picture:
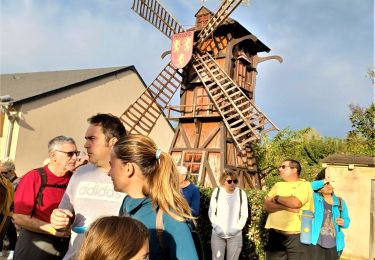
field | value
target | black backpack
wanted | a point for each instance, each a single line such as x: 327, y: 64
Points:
x: 217, y: 197
x: 43, y: 176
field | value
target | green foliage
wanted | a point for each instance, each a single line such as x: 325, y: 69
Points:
x: 254, y: 234
x: 307, y: 147
x: 204, y: 227
x: 362, y: 120
x: 257, y: 235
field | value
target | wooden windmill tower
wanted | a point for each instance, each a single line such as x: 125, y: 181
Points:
x: 217, y: 119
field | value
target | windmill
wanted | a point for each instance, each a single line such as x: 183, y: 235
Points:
x: 218, y: 121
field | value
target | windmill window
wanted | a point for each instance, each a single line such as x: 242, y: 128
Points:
x: 193, y: 161
x: 242, y: 73
x: 202, y: 20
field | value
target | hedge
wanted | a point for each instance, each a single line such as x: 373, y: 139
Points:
x: 254, y: 234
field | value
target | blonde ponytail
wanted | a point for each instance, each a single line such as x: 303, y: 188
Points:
x: 160, y: 173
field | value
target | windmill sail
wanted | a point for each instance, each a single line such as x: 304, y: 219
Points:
x: 153, y: 12
x: 223, y: 12
x: 141, y: 116
x: 244, y: 121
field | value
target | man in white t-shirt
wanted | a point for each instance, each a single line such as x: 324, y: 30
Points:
x: 90, y: 192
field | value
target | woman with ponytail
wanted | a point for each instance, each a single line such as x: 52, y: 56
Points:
x: 150, y: 179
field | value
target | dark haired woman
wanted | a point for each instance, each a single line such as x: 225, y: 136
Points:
x: 150, y: 179
x: 330, y: 217
x: 228, y: 213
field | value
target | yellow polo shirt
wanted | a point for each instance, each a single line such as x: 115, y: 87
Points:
x: 285, y: 220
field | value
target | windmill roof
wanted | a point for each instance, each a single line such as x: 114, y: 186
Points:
x: 203, y: 9
x: 229, y: 21
x: 24, y: 87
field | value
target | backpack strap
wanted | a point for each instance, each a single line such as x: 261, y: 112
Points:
x: 217, y: 198
x: 340, y: 209
x: 39, y: 197
x: 340, y: 206
x: 239, y: 214
x: 160, y: 228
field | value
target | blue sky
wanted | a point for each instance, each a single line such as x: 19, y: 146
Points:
x: 327, y: 47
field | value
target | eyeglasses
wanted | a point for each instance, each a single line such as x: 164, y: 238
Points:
x: 4, y: 172
x: 234, y: 181
x: 70, y: 154
x: 285, y: 166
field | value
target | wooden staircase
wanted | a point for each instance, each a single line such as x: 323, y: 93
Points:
x: 142, y: 115
x: 244, y: 121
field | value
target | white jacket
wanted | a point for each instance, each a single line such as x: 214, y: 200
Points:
x: 226, y: 223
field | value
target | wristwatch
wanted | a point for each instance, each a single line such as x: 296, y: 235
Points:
x: 276, y: 198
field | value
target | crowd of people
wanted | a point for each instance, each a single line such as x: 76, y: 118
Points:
x: 127, y: 199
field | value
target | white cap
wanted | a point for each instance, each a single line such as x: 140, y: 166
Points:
x: 182, y: 170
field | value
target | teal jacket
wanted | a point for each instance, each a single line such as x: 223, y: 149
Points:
x: 177, y: 240
x: 319, y: 216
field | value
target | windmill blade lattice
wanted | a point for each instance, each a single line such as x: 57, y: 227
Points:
x: 153, y: 12
x: 244, y: 121
x: 223, y: 12
x: 141, y: 116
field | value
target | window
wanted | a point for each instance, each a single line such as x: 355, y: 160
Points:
x: 193, y: 161
x: 202, y: 20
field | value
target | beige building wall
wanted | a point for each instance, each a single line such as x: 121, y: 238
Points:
x: 354, y: 186
x: 65, y: 113
x: 3, y: 138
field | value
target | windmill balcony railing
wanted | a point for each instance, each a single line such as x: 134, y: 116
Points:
x: 190, y: 111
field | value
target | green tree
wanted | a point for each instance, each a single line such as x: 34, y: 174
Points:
x: 306, y: 145
x: 363, y: 131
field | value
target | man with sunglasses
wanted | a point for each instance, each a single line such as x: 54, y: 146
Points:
x: 38, y: 193
x: 284, y: 204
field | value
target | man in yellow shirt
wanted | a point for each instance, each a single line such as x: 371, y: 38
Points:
x: 285, y: 203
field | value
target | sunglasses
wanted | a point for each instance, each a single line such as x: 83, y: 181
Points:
x: 234, y: 181
x: 70, y: 154
x: 285, y: 166
x: 4, y: 172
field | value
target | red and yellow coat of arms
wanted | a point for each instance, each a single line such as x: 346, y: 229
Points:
x: 182, y: 48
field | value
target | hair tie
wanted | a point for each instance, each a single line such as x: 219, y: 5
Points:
x: 157, y: 154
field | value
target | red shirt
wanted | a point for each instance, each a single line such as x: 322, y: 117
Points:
x: 27, y: 191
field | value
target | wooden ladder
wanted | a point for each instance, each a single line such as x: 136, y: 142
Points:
x: 224, y: 10
x: 244, y: 121
x: 153, y: 12
x: 141, y: 116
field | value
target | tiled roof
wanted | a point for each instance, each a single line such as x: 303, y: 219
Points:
x: 349, y: 159
x: 26, y: 86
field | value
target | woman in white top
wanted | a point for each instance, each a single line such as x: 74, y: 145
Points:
x: 228, y: 213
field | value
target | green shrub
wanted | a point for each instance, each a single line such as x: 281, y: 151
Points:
x: 254, y: 234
